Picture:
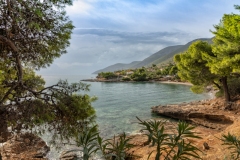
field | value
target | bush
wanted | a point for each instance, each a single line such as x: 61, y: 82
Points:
x: 168, y: 146
x: 126, y: 79
x: 233, y: 144
x: 107, y: 75
x: 91, y: 142
x: 171, y: 146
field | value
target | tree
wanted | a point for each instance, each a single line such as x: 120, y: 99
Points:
x: 139, y: 74
x: 32, y: 35
x: 193, y: 67
x: 173, y: 70
x: 218, y: 61
x: 225, y: 59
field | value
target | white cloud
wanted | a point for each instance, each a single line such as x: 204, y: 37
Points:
x: 121, y: 31
x: 79, y: 7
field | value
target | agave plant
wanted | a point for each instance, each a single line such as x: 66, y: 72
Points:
x: 233, y: 144
x: 87, y: 141
x: 118, y: 147
x: 171, y: 146
x: 111, y: 149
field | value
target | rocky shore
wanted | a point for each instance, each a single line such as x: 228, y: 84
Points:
x: 212, y: 118
x: 24, y: 146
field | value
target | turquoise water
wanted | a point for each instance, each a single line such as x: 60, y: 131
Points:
x: 118, y: 104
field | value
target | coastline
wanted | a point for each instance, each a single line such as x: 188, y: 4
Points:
x: 173, y: 82
x: 151, y: 81
x: 211, y: 119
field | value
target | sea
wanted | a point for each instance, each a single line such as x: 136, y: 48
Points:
x: 119, y: 103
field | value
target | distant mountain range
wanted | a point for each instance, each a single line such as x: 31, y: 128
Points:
x: 165, y: 55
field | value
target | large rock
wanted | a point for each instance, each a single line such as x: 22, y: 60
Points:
x: 209, y: 113
x: 25, y: 146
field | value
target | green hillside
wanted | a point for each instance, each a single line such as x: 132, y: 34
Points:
x: 169, y: 57
x: 162, y: 53
x: 165, y: 55
x: 117, y: 66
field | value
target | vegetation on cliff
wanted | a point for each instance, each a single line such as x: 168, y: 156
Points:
x: 163, y: 72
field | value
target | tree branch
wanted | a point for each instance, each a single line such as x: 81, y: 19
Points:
x: 8, y: 43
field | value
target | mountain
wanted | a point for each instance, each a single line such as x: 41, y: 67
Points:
x: 162, y: 53
x: 118, y: 66
x: 165, y: 55
x: 169, y: 57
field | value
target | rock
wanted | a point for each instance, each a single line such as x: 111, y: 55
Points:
x: 205, y: 114
x: 205, y: 146
x: 25, y: 146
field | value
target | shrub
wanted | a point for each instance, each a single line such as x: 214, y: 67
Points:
x: 233, y: 144
x: 126, y: 79
x: 171, y: 146
x: 168, y: 146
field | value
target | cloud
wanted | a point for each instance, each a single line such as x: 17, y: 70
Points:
x: 122, y: 31
x: 153, y: 15
x: 163, y: 38
x: 79, y: 7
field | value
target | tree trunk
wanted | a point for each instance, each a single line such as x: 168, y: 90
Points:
x: 225, y: 89
x: 3, y: 127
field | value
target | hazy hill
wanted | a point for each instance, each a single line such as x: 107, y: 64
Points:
x: 169, y: 57
x: 117, y: 66
x: 162, y: 53
x: 163, y: 56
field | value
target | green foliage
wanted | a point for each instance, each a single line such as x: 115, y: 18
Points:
x: 139, y: 75
x: 168, y: 69
x: 32, y: 35
x: 197, y: 89
x: 58, y: 110
x: 226, y: 46
x: 233, y: 144
x: 90, y: 142
x: 171, y: 146
x: 107, y: 75
x: 173, y: 70
x: 126, y: 79
x: 225, y: 59
x: 193, y: 67
x: 87, y: 140
x: 119, y: 147
x: 143, y: 74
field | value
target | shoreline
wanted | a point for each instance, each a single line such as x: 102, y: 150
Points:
x: 151, y: 81
x: 173, y: 82
x: 211, y: 119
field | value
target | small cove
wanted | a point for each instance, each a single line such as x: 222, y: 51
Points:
x: 119, y: 103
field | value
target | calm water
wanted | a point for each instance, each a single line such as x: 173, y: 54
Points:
x: 118, y: 104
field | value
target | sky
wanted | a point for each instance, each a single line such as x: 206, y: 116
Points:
x: 121, y: 31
